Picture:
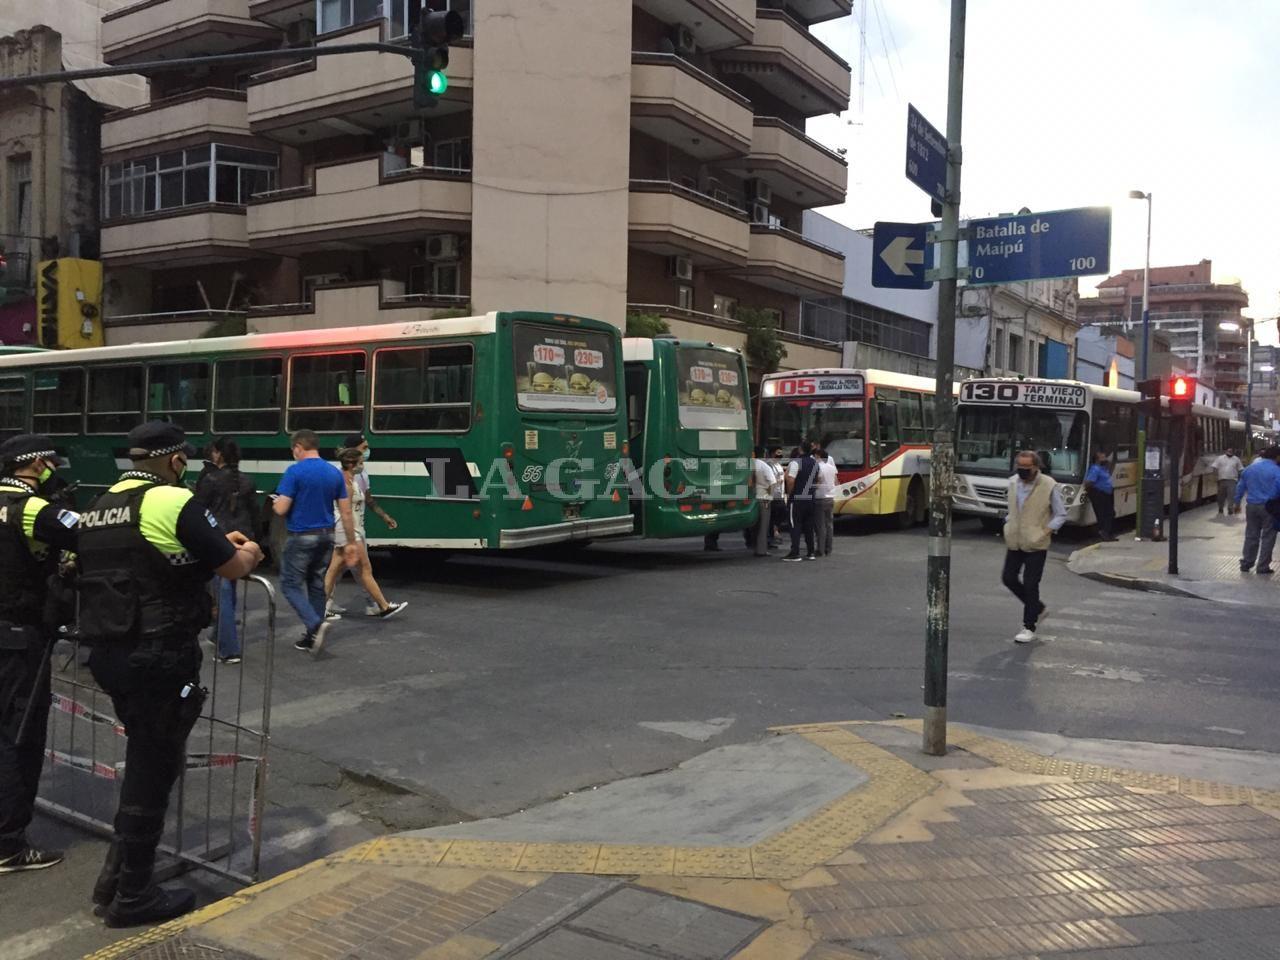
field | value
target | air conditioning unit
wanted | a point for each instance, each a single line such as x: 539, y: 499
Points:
x: 682, y: 38
x: 300, y: 33
x: 406, y: 131
x: 760, y: 191
x: 681, y: 268
x: 759, y: 212
x: 444, y: 246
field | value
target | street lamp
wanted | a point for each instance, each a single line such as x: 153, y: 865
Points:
x: 1146, y: 339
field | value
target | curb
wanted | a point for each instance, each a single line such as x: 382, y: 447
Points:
x: 1137, y: 583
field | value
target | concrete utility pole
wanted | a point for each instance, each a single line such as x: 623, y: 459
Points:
x: 942, y: 464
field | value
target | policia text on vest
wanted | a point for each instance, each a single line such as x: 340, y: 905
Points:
x: 32, y: 534
x: 146, y: 553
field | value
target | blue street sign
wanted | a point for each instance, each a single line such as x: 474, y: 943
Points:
x: 900, y: 255
x: 926, y: 155
x: 1040, y: 246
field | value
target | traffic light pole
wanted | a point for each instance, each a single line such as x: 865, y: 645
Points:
x: 246, y: 56
x: 942, y: 462
x: 1175, y: 488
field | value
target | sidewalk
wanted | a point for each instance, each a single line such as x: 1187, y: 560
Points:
x: 1209, y: 549
x: 824, y: 842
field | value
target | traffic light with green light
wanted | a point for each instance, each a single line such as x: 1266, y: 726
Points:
x: 435, y: 31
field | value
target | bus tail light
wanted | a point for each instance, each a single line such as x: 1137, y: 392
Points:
x: 508, y: 451
x: 475, y: 514
x: 616, y: 498
x: 686, y: 508
x: 527, y: 505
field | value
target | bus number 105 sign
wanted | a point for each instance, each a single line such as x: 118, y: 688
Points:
x: 814, y: 386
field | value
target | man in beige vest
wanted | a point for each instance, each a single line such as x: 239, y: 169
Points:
x: 1036, y: 512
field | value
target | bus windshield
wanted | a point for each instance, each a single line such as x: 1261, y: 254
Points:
x: 710, y: 386
x: 570, y: 371
x: 988, y: 437
x: 840, y: 424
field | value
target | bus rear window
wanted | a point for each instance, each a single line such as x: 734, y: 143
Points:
x: 711, y: 390
x: 568, y: 371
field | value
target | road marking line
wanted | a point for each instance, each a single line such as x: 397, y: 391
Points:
x: 295, y: 839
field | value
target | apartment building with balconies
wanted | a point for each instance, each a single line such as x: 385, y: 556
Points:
x: 1202, y: 320
x: 590, y: 157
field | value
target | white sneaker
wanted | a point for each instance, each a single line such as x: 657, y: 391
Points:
x: 372, y: 610
x: 392, y: 610
x: 1024, y: 636
x: 317, y: 640
x: 332, y: 607
x: 332, y: 616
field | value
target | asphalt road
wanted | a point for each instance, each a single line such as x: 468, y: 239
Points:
x: 514, y: 679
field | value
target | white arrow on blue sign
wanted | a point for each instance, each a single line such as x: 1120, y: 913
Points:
x: 900, y: 255
x: 1040, y: 246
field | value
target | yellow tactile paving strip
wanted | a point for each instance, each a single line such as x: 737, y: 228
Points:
x: 892, y: 785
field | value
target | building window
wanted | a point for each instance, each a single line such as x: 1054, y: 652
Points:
x: 401, y: 15
x: 684, y: 297
x: 182, y: 178
x: 723, y: 306
x: 444, y: 279
x: 453, y: 154
x: 997, y: 351
x: 839, y: 319
x: 1015, y: 353
x: 20, y: 187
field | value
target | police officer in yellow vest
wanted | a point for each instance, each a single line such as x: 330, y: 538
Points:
x: 32, y: 532
x: 1036, y: 512
x: 147, y: 551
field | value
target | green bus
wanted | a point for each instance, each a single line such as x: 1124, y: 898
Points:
x: 689, y: 436
x: 496, y: 431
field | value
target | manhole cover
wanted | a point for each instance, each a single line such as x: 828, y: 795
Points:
x: 180, y: 948
x: 738, y: 593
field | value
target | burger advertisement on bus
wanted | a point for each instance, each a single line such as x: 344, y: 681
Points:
x: 710, y: 390
x: 572, y: 372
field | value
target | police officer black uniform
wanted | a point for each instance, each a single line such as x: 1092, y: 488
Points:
x: 146, y: 554
x: 32, y: 532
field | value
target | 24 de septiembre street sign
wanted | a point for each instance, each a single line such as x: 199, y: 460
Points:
x: 926, y: 155
x: 1040, y: 246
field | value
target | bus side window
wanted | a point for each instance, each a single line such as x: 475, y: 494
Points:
x: 247, y: 395
x: 929, y: 400
x: 637, y: 379
x: 179, y: 393
x: 884, y: 430
x: 13, y: 406
x: 57, y: 399
x: 115, y: 399
x: 912, y: 418
x: 326, y: 392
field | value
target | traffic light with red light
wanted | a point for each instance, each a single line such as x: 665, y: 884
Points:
x: 1182, y: 394
x: 1150, y: 402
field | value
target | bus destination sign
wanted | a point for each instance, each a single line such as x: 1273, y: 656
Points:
x: 1029, y: 394
x: 816, y: 385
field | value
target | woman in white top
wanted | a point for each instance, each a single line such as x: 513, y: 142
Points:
x: 352, y: 462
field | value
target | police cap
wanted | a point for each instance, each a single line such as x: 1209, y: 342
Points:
x: 157, y: 438
x: 26, y: 447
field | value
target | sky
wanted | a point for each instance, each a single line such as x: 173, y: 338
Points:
x: 1075, y: 104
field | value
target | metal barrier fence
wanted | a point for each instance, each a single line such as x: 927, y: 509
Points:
x: 215, y: 814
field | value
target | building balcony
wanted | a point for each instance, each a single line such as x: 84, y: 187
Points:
x: 169, y: 29
x: 672, y: 220
x: 210, y: 113
x: 783, y: 260
x: 802, y: 352
x: 354, y: 94
x: 816, y: 11
x: 282, y: 12
x: 790, y: 63
x: 166, y: 325
x: 366, y: 202
x: 348, y: 304
x: 716, y: 24
x: 675, y: 102
x: 799, y: 169
x: 183, y: 236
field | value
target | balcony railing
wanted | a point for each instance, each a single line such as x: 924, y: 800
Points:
x: 670, y: 186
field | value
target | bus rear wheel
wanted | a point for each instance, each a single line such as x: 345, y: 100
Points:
x: 913, y: 514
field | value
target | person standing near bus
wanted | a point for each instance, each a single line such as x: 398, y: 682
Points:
x: 32, y: 532
x: 763, y: 479
x: 1260, y: 482
x: 1101, y: 490
x: 358, y: 441
x: 146, y: 552
x: 824, y: 500
x: 801, y: 479
x: 232, y: 499
x: 352, y: 462
x: 1036, y: 512
x: 1227, y: 466
x: 308, y: 495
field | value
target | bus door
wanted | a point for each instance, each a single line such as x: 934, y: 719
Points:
x: 636, y: 376
x: 13, y: 405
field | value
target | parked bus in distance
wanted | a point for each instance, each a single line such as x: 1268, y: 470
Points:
x: 451, y: 408
x: 1066, y: 422
x: 876, y: 424
x: 689, y: 435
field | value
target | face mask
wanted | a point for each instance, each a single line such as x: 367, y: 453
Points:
x: 368, y: 454
x: 359, y: 469
x: 1025, y: 473
x: 181, y: 472
x: 45, y: 474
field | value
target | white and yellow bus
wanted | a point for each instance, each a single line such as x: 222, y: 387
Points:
x: 1066, y: 421
x: 876, y: 424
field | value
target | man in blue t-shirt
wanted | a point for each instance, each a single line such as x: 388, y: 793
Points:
x: 1098, y: 485
x: 308, y: 494
x: 1259, y: 482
